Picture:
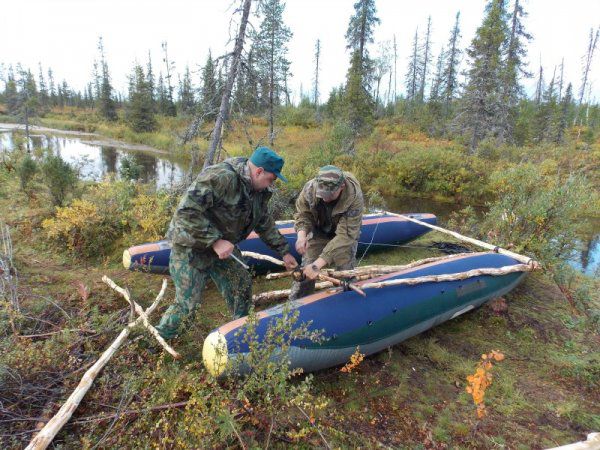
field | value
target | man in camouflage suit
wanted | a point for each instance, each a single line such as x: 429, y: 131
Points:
x: 221, y: 207
x: 328, y: 221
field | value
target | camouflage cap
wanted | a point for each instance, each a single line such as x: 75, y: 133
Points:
x: 329, y: 179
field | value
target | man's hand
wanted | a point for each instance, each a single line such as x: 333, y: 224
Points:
x: 311, y: 271
x: 223, y: 248
x: 301, y: 242
x: 289, y: 261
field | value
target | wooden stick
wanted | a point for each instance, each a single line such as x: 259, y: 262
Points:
x: 265, y: 297
x: 381, y: 270
x: 45, y: 436
x: 264, y: 258
x: 153, y: 331
x: 451, y: 276
x: 340, y: 283
x: 521, y: 258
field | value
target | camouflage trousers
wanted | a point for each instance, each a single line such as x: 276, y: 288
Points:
x: 313, y: 250
x: 232, y: 280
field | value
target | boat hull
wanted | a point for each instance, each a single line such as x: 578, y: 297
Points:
x: 377, y: 230
x: 384, y: 318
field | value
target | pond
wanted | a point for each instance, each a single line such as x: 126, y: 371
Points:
x: 163, y: 170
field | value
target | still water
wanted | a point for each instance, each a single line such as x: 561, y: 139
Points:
x: 96, y: 161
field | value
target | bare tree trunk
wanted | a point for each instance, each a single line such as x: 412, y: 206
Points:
x: 224, y: 108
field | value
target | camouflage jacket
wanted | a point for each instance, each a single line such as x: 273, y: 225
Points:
x: 346, y: 216
x: 221, y: 204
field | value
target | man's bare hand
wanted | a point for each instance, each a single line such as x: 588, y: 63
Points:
x: 311, y: 272
x: 301, y: 242
x: 289, y: 261
x: 223, y: 248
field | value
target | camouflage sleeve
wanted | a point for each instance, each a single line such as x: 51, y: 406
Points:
x: 346, y: 233
x: 268, y: 232
x: 303, y: 216
x: 190, y: 226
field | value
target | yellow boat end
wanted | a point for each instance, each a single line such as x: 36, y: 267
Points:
x: 214, y: 353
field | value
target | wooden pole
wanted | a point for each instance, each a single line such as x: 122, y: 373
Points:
x: 50, y: 430
x: 521, y: 258
x: 262, y: 257
x: 451, y: 276
x: 265, y: 297
x: 153, y: 331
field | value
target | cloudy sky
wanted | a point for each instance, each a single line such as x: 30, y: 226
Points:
x: 63, y: 34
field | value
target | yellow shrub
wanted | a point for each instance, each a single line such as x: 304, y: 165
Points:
x: 150, y: 216
x: 72, y: 224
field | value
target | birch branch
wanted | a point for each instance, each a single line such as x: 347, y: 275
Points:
x: 518, y: 257
x: 51, y: 429
x: 265, y: 297
x: 262, y: 257
x: 451, y: 276
x: 153, y: 331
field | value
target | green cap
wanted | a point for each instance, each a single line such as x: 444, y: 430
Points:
x: 329, y: 179
x: 269, y: 160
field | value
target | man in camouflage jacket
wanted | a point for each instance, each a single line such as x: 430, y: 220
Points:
x: 221, y: 207
x: 328, y: 221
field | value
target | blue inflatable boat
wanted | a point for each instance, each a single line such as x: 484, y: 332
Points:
x: 377, y: 230
x: 387, y: 316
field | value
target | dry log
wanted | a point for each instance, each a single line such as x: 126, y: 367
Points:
x: 518, y: 257
x: 45, y: 436
x: 451, y: 276
x: 153, y: 331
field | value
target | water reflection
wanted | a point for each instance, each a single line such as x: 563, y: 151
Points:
x: 95, y: 161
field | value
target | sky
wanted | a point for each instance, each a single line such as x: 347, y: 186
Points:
x: 63, y: 35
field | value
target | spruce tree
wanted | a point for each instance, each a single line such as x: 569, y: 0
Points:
x: 452, y: 65
x: 140, y: 110
x: 271, y: 47
x: 168, y: 108
x: 44, y: 99
x: 106, y: 107
x: 359, y: 35
x: 209, y: 96
x: 482, y: 100
x: 424, y: 63
x: 412, y: 73
x: 514, y: 69
x: 11, y: 95
x: 186, y: 94
x: 564, y: 111
x: 51, y: 87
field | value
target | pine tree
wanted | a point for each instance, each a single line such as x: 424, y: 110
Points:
x: 106, y: 107
x: 543, y: 125
x: 359, y: 102
x: 270, y: 44
x: 140, y: 111
x: 481, y: 106
x: 186, y: 94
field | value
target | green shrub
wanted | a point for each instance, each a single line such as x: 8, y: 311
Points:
x: 130, y: 169
x: 60, y: 177
x: 536, y: 212
x: 26, y: 170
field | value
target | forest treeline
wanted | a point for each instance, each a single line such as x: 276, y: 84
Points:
x: 489, y: 105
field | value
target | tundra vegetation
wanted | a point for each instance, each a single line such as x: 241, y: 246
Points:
x: 523, y: 171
